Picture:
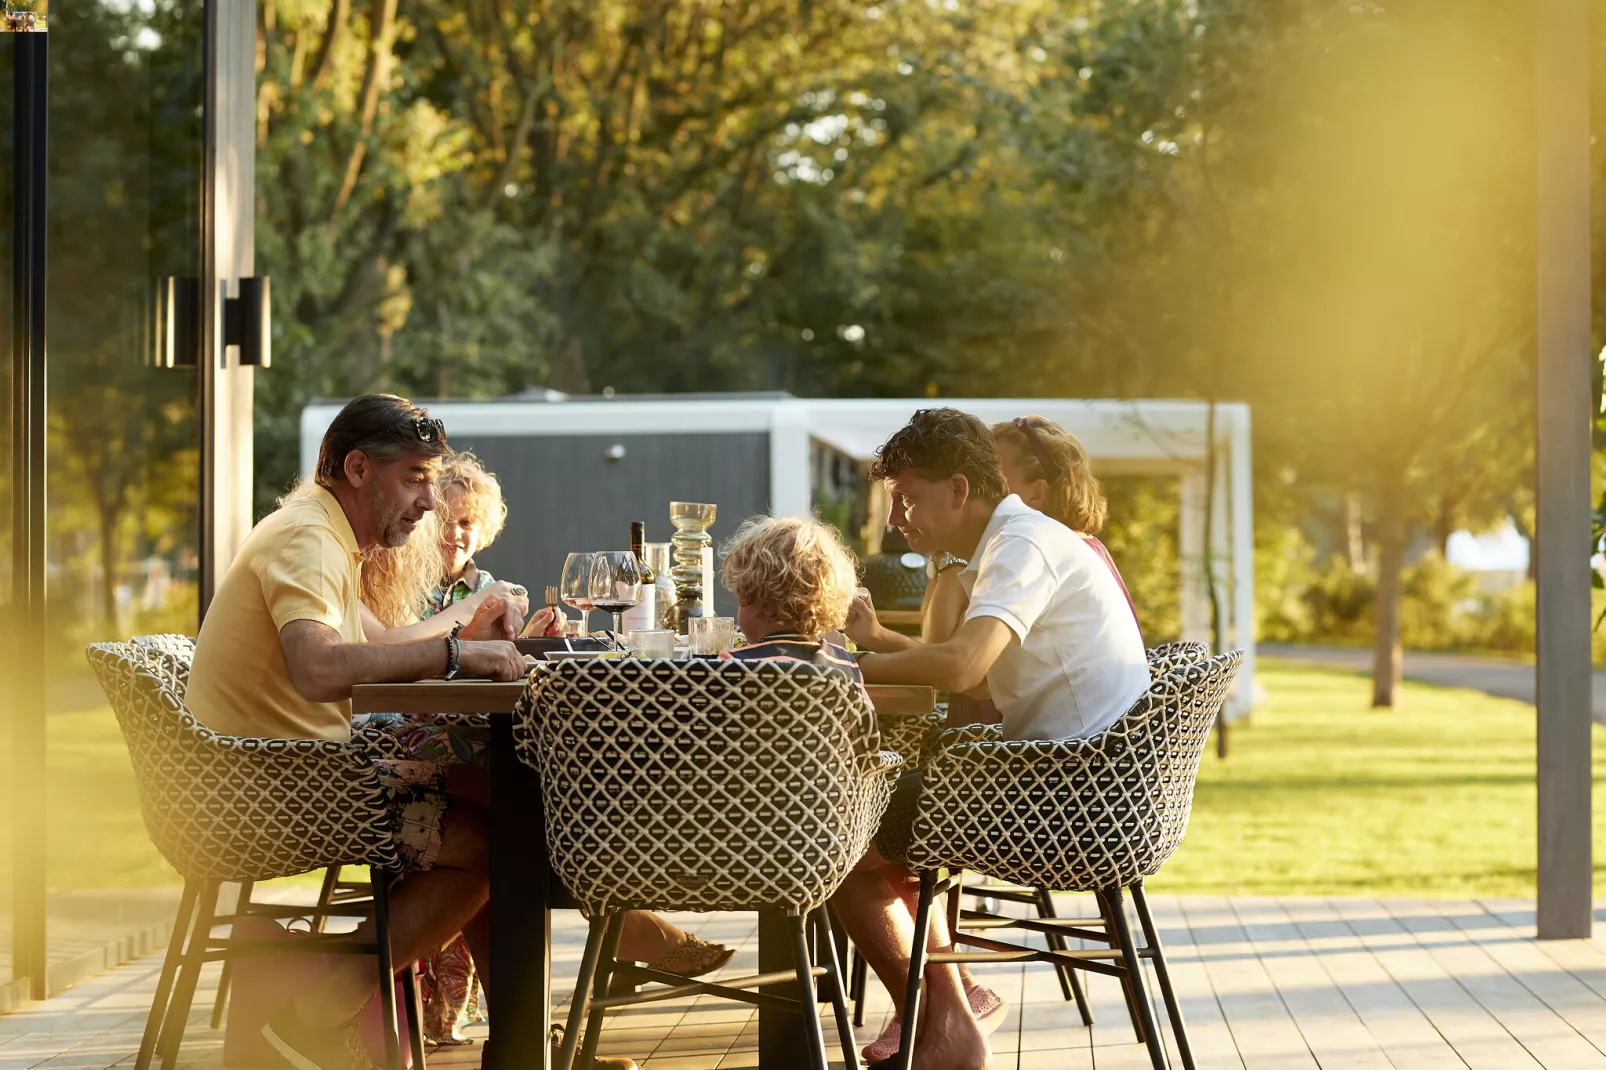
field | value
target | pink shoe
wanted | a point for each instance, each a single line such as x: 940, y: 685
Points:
x: 986, y: 1006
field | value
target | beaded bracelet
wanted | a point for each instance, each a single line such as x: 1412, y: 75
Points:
x: 454, y: 653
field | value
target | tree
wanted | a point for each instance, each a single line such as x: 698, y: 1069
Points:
x: 1325, y: 209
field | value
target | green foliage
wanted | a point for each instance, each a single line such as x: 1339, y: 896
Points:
x: 1284, y: 571
x: 1339, y: 602
x: 1141, y: 535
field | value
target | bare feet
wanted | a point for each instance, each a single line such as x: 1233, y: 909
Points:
x: 959, y: 1047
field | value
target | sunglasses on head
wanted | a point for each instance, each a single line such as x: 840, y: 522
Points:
x: 1030, y: 424
x: 429, y: 429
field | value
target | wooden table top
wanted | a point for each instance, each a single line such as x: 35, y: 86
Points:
x: 496, y: 696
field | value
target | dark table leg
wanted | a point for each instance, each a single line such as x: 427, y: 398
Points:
x: 520, y: 990
x: 781, y: 1039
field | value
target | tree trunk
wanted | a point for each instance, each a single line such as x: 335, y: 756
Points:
x: 109, y: 555
x: 1387, y: 657
x: 1355, y: 542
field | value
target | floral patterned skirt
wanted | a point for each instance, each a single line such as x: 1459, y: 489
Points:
x: 412, y: 756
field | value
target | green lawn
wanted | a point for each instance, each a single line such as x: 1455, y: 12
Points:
x: 1320, y: 796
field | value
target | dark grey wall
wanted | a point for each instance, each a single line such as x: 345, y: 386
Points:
x: 563, y: 495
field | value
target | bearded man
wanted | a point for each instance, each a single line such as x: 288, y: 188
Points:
x: 280, y: 649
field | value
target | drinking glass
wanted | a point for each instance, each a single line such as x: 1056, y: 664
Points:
x: 653, y: 644
x: 615, y: 584
x: 711, y: 635
x: 575, y: 587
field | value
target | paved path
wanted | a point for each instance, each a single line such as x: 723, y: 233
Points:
x: 1505, y: 677
x: 1266, y: 983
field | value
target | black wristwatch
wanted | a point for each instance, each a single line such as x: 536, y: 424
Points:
x: 454, y: 653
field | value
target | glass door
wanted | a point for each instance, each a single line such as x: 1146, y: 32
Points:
x: 123, y: 433
x: 127, y: 160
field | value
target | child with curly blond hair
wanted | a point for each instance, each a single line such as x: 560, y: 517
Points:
x: 794, y: 582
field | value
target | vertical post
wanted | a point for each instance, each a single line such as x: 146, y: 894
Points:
x: 30, y: 101
x: 1564, y: 422
x: 1195, y: 598
x: 1241, y: 488
x: 791, y: 490
x: 228, y: 254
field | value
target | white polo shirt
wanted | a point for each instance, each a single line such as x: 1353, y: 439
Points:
x: 1079, y: 661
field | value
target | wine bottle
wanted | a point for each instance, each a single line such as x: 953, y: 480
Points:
x: 644, y: 616
x: 638, y: 539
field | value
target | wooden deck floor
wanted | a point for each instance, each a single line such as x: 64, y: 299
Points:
x: 1266, y: 983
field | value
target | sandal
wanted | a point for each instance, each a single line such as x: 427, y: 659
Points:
x: 693, y: 958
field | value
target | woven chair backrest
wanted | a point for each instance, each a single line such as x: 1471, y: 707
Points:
x: 1078, y: 814
x: 235, y: 808
x: 701, y: 785
x: 171, y: 656
x: 1169, y: 656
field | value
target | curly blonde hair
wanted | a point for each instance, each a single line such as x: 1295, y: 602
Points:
x: 800, y: 571
x: 481, y: 493
x: 397, y: 582
x: 1049, y: 452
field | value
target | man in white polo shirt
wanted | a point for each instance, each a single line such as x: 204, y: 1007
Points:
x: 1048, y: 629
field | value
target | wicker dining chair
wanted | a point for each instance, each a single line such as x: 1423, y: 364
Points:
x: 704, y: 785
x: 925, y: 737
x: 1095, y: 815
x: 226, y: 809
x: 170, y: 655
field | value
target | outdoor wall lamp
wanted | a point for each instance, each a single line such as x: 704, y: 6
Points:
x: 614, y: 453
x: 178, y: 322
x: 247, y: 322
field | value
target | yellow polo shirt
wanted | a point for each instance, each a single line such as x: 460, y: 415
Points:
x: 300, y: 563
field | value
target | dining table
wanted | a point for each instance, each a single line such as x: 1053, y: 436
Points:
x: 524, y: 891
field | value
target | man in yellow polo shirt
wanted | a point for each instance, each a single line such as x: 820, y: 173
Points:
x: 280, y: 649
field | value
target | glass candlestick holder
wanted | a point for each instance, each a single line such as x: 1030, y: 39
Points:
x: 691, y: 538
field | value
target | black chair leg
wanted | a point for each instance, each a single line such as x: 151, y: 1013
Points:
x: 861, y: 976
x: 415, y: 1014
x: 326, y: 895
x: 189, y: 975
x: 1134, y: 968
x: 838, y: 982
x: 599, y: 987
x: 242, y: 905
x: 1127, y: 989
x: 1173, y: 1010
x: 164, y: 983
x: 387, y: 970
x: 1070, y: 984
x: 917, y: 970
x: 808, y: 996
x: 580, y: 1005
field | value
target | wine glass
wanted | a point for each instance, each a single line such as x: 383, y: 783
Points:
x: 615, y: 584
x: 575, y: 587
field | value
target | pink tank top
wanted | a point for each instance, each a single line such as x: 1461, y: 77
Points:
x: 1099, y: 548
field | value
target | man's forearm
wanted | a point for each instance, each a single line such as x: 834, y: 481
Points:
x: 349, y: 664
x: 887, y: 641
x: 959, y: 664
x: 917, y: 663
